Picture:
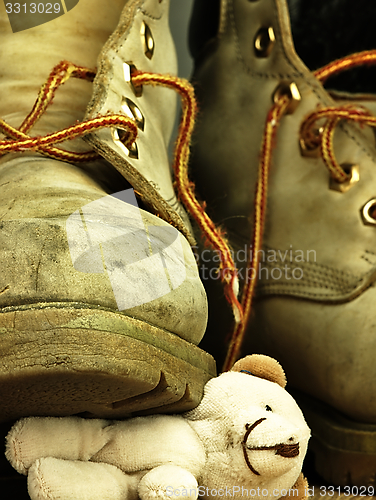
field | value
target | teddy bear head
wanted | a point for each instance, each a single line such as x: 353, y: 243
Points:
x: 252, y: 429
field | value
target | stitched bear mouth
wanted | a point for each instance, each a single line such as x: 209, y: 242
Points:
x: 282, y: 449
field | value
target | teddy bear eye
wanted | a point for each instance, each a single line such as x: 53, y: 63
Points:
x: 267, y: 408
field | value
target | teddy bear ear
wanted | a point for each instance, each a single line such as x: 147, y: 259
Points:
x: 263, y: 367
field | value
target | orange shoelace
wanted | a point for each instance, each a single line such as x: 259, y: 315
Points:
x: 19, y: 140
x: 185, y: 188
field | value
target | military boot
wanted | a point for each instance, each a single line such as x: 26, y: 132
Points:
x: 313, y: 306
x: 101, y: 305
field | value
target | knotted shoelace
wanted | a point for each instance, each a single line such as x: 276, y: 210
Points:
x: 19, y: 140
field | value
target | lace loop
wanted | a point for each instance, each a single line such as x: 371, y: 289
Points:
x: 324, y: 139
x: 20, y: 141
x: 335, y: 114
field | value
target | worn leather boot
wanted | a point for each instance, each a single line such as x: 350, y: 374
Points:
x: 101, y: 304
x: 314, y: 303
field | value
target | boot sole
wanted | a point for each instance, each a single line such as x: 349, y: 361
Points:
x: 61, y: 359
x: 345, y: 450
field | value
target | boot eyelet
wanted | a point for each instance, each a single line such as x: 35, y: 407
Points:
x: 118, y: 136
x: 264, y: 42
x: 147, y: 40
x: 291, y: 91
x: 342, y: 187
x: 131, y: 110
x: 368, y: 213
x: 128, y: 69
x: 311, y: 150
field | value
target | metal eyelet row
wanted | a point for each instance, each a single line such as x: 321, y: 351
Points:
x: 263, y: 44
x: 129, y: 107
x: 131, y: 110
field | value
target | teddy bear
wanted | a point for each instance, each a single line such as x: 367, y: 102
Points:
x: 246, y: 438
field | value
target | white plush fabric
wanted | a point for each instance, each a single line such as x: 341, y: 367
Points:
x: 247, y: 437
x: 168, y: 480
x: 70, y: 438
x: 230, y: 402
x: 51, y: 478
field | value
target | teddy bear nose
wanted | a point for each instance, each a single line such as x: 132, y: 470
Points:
x: 287, y: 450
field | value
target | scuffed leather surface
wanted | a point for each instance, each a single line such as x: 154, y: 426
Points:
x: 36, y: 261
